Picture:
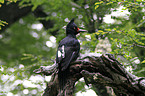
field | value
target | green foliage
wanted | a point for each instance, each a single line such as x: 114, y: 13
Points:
x: 2, y: 23
x: 126, y: 35
x: 80, y: 86
x: 1, y: 1
x: 23, y: 45
x: 8, y: 1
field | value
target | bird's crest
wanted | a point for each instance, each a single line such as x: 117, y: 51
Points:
x: 70, y: 23
x: 72, y: 20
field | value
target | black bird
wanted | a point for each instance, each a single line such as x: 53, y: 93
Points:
x: 68, y: 51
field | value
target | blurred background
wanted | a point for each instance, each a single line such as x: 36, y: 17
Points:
x: 30, y: 31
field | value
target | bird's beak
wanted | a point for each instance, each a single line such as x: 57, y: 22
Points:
x: 82, y: 30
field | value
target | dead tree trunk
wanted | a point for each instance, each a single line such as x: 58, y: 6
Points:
x: 104, y: 70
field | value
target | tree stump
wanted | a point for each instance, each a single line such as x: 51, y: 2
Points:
x: 104, y: 70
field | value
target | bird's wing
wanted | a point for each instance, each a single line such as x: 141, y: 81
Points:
x: 71, y: 55
x: 60, y: 55
x: 65, y: 55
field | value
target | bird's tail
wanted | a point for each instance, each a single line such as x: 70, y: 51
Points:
x: 62, y: 77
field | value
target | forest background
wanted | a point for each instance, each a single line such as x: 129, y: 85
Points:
x: 30, y: 31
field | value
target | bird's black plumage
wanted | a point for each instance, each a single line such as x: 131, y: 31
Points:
x: 68, y: 51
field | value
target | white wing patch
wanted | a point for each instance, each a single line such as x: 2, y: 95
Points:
x: 61, y: 53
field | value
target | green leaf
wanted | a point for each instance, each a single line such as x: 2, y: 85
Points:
x: 142, y: 38
x: 97, y: 3
x: 96, y: 6
x: 139, y: 0
x: 143, y: 61
x: 1, y: 1
x: 108, y: 29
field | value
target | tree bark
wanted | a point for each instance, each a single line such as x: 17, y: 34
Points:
x: 103, y: 70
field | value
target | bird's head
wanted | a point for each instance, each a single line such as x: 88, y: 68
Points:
x: 72, y: 28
